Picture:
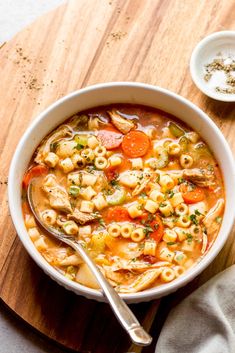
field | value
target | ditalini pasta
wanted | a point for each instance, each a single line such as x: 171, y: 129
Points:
x: 140, y: 190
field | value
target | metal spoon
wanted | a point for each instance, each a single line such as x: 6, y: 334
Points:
x: 125, y: 316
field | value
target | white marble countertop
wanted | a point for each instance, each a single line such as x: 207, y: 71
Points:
x: 15, y: 335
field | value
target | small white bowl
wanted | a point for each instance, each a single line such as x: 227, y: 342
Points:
x: 204, y: 53
x: 121, y: 92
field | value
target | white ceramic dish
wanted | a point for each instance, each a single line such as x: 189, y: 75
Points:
x: 121, y: 92
x: 204, y: 53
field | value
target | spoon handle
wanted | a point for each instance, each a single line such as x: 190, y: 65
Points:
x: 127, y: 319
x: 125, y: 316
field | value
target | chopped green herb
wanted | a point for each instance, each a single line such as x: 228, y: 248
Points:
x: 150, y: 217
x: 148, y: 230
x: 143, y: 194
x: 101, y: 222
x: 114, y: 182
x: 194, y: 219
x: 79, y: 147
x: 91, y: 168
x: 189, y: 237
x: 158, y: 178
x: 210, y: 167
x: 170, y: 193
x: 134, y: 259
x: 197, y: 213
x: 53, y: 146
x: 218, y: 219
x: 171, y: 243
x: 181, y: 180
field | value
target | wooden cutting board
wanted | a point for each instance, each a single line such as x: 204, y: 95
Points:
x: 81, y: 43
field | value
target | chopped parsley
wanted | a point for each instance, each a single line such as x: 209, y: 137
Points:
x: 181, y: 180
x: 148, y: 230
x: 79, y: 147
x: 158, y: 178
x: 162, y: 204
x: 101, y: 222
x: 218, y: 219
x: 189, y: 237
x: 210, y: 167
x: 114, y: 182
x: 53, y: 146
x: 194, y: 219
x: 197, y: 213
x: 143, y: 194
x: 171, y: 243
x: 156, y: 226
x: 170, y: 194
x: 134, y: 259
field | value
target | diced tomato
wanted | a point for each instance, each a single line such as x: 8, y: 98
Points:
x: 149, y: 258
x: 117, y: 214
x: 155, y: 223
x: 111, y: 173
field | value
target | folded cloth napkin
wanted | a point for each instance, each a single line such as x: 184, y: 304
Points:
x: 204, y: 322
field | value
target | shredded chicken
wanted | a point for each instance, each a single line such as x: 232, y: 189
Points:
x: 122, y: 124
x: 204, y: 242
x: 137, y: 266
x: 62, y: 132
x: 211, y: 219
x: 141, y: 282
x: 115, y: 277
x: 200, y: 177
x: 72, y: 260
x: 139, y: 188
x: 82, y: 217
x: 58, y: 198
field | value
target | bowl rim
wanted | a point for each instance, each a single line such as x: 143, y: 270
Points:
x: 148, y: 294
x: 193, y: 64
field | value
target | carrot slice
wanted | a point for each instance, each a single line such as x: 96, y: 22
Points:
x: 192, y: 195
x: 117, y: 214
x: 110, y: 138
x: 32, y: 173
x: 135, y: 144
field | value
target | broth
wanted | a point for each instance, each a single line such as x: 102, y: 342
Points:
x: 141, y: 191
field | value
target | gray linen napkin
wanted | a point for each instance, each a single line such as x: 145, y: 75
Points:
x: 204, y: 322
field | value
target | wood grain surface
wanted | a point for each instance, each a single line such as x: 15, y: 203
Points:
x: 81, y: 43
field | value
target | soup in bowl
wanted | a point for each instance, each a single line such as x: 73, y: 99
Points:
x: 143, y: 191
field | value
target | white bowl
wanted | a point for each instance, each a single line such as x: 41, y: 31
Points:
x: 204, y: 53
x: 121, y: 92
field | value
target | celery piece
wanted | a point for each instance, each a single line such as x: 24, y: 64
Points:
x: 81, y: 141
x: 74, y: 190
x: 117, y: 198
x: 175, y: 129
